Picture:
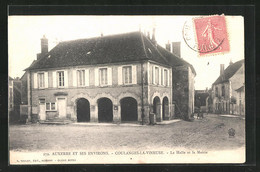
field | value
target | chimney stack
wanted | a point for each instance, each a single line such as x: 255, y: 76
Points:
x: 230, y: 63
x: 222, y: 67
x: 148, y: 35
x: 44, y: 45
x: 153, y: 36
x: 168, y: 46
x: 176, y: 48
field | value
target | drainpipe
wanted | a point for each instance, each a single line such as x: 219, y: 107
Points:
x: 142, y: 95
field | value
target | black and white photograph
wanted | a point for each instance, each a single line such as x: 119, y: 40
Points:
x: 126, y: 89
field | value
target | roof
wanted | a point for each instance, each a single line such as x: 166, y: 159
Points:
x: 240, y: 89
x: 229, y: 72
x: 133, y: 46
x: 174, y: 59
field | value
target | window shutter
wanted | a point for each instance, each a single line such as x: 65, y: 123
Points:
x: 46, y: 77
x: 65, y: 78
x: 54, y: 78
x: 109, y: 76
x: 134, y: 80
x: 96, y: 77
x: 35, y: 82
x: 153, y: 74
x: 168, y: 78
x: 74, y: 78
x: 87, y: 77
x: 120, y: 75
x: 160, y: 75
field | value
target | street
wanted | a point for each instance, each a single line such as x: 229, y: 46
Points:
x: 209, y: 133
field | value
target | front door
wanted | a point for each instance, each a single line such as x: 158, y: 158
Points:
x: 62, y: 107
x: 42, y: 114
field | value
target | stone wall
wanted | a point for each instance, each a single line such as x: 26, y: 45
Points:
x: 183, y: 92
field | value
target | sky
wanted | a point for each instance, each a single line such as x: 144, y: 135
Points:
x: 25, y: 32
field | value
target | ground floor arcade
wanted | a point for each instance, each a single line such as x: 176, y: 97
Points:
x: 105, y: 108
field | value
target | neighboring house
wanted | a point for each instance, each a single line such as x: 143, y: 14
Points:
x: 117, y: 78
x: 241, y: 100
x: 14, y: 98
x: 201, y: 99
x: 10, y: 94
x: 224, y: 92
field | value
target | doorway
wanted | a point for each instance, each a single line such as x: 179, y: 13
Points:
x: 83, y: 110
x: 105, y: 110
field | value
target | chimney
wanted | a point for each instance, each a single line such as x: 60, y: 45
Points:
x: 176, y: 48
x: 153, y: 36
x: 230, y: 63
x: 44, y: 45
x: 222, y: 67
x: 148, y: 35
x: 168, y: 46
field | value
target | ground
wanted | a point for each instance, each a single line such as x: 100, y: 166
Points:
x: 210, y: 133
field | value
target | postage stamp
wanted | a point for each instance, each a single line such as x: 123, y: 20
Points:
x: 207, y: 35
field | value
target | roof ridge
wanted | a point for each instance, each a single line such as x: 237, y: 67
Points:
x: 100, y: 37
x: 240, y: 63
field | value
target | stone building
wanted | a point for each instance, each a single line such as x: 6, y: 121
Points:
x: 240, y: 100
x: 116, y: 78
x: 14, y: 99
x: 202, y: 99
x: 224, y: 94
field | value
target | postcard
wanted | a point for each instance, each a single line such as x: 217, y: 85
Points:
x: 117, y: 89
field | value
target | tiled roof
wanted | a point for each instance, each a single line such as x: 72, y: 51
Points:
x: 173, y: 59
x: 132, y: 46
x: 229, y: 72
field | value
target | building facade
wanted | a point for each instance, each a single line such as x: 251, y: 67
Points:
x: 14, y: 98
x: 224, y: 94
x: 118, y: 78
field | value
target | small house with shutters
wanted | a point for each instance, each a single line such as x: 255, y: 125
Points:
x: 224, y: 94
x: 114, y: 78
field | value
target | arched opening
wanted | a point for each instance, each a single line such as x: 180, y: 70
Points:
x: 165, y: 108
x: 128, y: 109
x: 157, y: 108
x: 105, y: 110
x: 83, y: 110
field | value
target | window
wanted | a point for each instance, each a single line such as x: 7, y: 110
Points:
x: 216, y: 91
x: 165, y: 73
x: 223, y: 90
x: 81, y: 77
x: 41, y: 80
x: 103, y: 76
x: 127, y: 74
x: 61, y: 79
x: 156, y: 77
x: 50, y: 107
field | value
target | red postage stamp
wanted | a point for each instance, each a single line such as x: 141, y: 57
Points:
x: 211, y: 34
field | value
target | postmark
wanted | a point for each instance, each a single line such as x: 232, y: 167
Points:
x: 207, y: 35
